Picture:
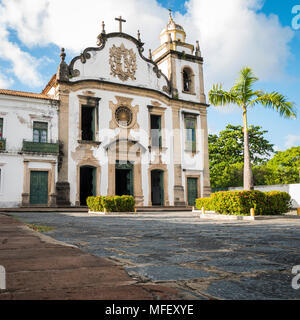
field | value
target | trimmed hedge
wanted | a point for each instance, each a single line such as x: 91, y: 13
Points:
x: 240, y: 202
x: 278, y: 202
x: 204, y: 203
x: 111, y: 203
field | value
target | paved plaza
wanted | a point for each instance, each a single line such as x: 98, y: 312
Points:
x: 202, y: 259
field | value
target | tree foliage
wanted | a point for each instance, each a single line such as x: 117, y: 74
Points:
x: 228, y: 145
x: 226, y: 159
x: 226, y: 154
x: 283, y: 168
x: 243, y: 95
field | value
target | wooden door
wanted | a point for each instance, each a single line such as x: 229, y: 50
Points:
x: 39, y: 187
x: 192, y: 189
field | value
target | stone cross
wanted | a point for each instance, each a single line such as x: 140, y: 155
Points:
x: 120, y: 22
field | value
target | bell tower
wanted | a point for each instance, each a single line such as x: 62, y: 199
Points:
x: 181, y: 62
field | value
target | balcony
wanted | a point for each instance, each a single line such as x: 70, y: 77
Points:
x: 2, y: 144
x: 40, y: 147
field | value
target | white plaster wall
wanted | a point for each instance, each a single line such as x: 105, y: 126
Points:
x: 98, y: 67
x: 18, y: 114
x: 180, y: 64
x: 191, y: 162
x: 292, y: 189
x: 182, y: 48
x: 12, y: 175
x: 106, y: 136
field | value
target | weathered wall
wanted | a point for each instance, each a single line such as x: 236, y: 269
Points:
x: 18, y: 114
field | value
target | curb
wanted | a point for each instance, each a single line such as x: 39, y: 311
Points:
x: 211, y: 215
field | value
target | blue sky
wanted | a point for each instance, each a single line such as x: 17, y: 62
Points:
x: 30, y: 45
x: 282, y: 133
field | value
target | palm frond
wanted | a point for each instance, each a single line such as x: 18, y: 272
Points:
x: 219, y: 97
x: 277, y: 102
x: 243, y: 85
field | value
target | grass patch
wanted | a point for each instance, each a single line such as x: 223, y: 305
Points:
x: 39, y: 228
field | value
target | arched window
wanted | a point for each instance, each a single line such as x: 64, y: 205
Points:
x: 187, y: 77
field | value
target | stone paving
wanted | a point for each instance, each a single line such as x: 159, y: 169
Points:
x: 38, y: 267
x: 204, y: 259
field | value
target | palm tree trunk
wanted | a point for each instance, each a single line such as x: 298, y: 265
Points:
x: 248, y: 175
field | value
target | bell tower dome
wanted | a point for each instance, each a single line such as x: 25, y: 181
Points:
x: 173, y: 30
x: 181, y: 62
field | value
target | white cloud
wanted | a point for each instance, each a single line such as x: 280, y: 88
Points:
x: 292, y: 141
x: 5, y: 82
x: 232, y: 33
x: 276, y: 148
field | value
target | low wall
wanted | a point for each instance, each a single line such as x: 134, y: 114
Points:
x: 292, y: 189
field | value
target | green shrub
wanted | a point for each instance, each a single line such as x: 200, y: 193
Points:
x: 111, y: 203
x: 204, y: 203
x: 95, y: 203
x: 278, y: 202
x: 240, y: 202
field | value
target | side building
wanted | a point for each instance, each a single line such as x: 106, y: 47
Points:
x: 29, y: 149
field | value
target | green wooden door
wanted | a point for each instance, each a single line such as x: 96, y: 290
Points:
x: 192, y: 188
x: 39, y: 187
x: 129, y: 176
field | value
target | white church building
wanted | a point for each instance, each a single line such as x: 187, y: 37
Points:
x: 112, y: 122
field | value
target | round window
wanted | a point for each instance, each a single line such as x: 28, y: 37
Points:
x: 123, y: 116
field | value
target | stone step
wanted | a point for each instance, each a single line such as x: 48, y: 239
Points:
x: 85, y: 209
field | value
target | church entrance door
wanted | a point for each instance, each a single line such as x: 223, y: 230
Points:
x: 87, y: 183
x: 192, y: 190
x: 157, y: 187
x: 124, y: 179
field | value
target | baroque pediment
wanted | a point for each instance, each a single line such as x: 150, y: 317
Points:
x: 118, y: 59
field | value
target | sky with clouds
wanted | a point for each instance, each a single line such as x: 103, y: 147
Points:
x: 232, y: 34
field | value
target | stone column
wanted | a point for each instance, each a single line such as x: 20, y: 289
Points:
x: 201, y: 79
x: 111, y: 172
x: 137, y: 179
x: 62, y: 185
x: 53, y: 190
x: 178, y: 188
x: 26, y: 185
x: 205, y: 156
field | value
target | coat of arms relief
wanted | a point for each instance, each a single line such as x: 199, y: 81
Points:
x: 122, y: 62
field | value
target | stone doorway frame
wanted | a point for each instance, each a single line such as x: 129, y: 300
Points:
x: 87, y: 163
x: 159, y: 167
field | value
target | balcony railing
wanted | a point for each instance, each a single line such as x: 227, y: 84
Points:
x: 40, y: 147
x: 2, y: 144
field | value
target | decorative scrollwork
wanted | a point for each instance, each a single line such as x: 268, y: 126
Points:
x: 122, y: 62
x: 84, y: 56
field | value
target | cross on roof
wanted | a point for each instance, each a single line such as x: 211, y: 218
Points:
x: 120, y: 22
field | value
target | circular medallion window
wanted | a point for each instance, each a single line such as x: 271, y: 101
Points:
x: 123, y: 116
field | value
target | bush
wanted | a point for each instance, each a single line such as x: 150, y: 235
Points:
x: 278, y: 202
x: 95, y: 203
x: 240, y: 202
x: 204, y: 203
x: 111, y: 203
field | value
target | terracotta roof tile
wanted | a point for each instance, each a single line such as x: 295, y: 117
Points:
x: 25, y: 94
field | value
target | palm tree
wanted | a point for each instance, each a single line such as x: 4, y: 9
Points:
x: 243, y: 95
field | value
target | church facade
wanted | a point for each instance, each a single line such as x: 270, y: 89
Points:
x: 112, y: 122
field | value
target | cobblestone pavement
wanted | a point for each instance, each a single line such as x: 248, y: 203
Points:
x: 205, y: 259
